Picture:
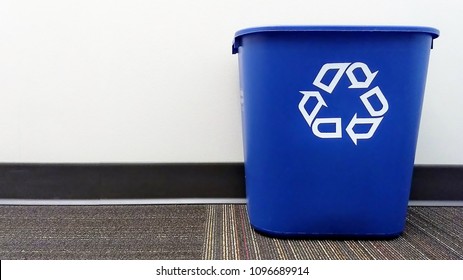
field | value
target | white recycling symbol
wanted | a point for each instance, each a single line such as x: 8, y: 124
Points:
x: 341, y: 69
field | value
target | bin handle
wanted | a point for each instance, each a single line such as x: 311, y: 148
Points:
x: 236, y: 44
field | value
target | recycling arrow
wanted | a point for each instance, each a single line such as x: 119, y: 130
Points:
x: 384, y: 104
x: 356, y: 136
x: 307, y: 95
x: 341, y: 67
x: 337, y: 133
x: 353, y: 79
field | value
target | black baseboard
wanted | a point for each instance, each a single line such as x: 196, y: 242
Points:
x: 176, y: 180
x: 437, y: 182
x: 121, y: 181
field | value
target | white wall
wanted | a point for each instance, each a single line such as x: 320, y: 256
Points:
x: 155, y: 81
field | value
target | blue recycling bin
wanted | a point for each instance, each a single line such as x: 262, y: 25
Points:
x: 330, y: 125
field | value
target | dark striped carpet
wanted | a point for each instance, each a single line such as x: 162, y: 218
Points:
x: 204, y: 232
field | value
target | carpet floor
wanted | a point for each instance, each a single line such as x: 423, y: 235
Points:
x: 205, y: 232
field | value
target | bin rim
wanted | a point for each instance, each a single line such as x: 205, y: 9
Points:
x: 340, y: 28
x: 334, y: 28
